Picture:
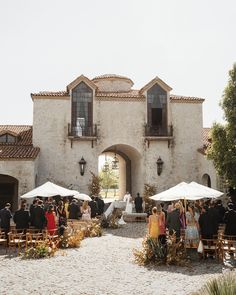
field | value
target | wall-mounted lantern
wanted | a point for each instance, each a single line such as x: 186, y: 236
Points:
x: 159, y: 163
x: 82, y: 164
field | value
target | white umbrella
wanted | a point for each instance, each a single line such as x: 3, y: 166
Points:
x: 210, y: 192
x: 48, y: 189
x: 82, y: 197
x: 180, y: 191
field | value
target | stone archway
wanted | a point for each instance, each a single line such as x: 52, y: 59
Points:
x: 206, y: 180
x: 129, y: 168
x: 8, y: 191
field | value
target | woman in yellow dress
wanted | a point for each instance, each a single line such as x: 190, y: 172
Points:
x: 153, y: 224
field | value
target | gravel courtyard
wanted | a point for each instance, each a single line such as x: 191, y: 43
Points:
x: 101, y: 266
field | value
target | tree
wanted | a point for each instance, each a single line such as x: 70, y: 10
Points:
x: 95, y: 185
x: 222, y: 149
x: 109, y: 179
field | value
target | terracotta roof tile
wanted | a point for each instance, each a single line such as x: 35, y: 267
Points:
x: 128, y: 94
x: 18, y: 152
x: 51, y: 93
x: 22, y: 148
x: 206, y: 140
x: 206, y: 136
x: 181, y: 98
x: 108, y: 76
x: 23, y: 132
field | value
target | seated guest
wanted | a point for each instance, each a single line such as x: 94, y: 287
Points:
x: 51, y: 220
x: 73, y: 209
x: 93, y: 205
x: 230, y: 221
x: 138, y: 202
x: 22, y: 218
x: 173, y: 221
x: 86, y: 211
x: 191, y: 232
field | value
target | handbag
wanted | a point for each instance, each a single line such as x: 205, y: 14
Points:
x: 200, y: 247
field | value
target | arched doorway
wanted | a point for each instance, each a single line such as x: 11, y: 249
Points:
x: 129, y: 170
x: 206, y: 180
x: 8, y: 191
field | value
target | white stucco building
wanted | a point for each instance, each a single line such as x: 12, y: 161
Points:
x: 106, y: 115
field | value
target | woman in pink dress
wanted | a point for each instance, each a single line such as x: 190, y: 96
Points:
x: 51, y: 220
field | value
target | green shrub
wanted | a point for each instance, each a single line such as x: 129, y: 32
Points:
x: 225, y: 285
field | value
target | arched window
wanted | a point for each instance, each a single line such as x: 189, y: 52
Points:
x: 206, y: 180
x: 157, y: 108
x: 82, y: 109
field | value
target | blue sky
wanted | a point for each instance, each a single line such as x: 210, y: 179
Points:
x: 191, y: 45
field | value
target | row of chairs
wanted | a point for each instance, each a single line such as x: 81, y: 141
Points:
x: 19, y: 238
x: 220, y: 246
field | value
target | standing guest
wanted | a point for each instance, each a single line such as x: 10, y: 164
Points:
x: 230, y: 221
x: 31, y: 210
x: 182, y: 216
x: 39, y: 215
x: 173, y: 221
x: 86, y: 211
x: 170, y: 207
x: 22, y: 218
x: 153, y: 224
x: 5, y: 216
x: 73, y: 210
x: 161, y: 224
x: 93, y: 205
x: 204, y: 223
x: 100, y: 204
x: 221, y: 211
x: 138, y: 202
x: 61, y: 212
x: 191, y: 232
x: 163, y: 210
x: 213, y: 220
x: 51, y: 220
x: 66, y: 205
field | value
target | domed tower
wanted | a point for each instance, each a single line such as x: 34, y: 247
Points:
x: 113, y: 83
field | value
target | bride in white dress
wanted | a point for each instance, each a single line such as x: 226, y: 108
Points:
x: 129, y: 206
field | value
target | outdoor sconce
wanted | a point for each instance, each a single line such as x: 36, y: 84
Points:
x: 82, y: 164
x: 159, y: 166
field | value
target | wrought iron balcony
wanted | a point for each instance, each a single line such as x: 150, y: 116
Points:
x: 82, y: 131
x: 158, y: 131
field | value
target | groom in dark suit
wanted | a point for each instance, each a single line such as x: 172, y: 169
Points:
x: 138, y: 202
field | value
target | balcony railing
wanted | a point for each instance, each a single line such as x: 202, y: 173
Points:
x: 82, y: 131
x: 158, y: 131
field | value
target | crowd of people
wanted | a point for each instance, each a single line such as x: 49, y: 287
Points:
x: 200, y: 220
x: 47, y: 213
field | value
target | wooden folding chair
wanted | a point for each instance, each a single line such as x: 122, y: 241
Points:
x: 16, y: 240
x: 3, y: 240
x: 210, y: 247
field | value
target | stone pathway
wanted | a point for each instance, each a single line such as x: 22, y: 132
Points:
x: 101, y: 266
